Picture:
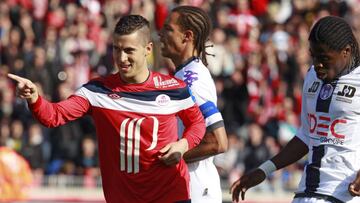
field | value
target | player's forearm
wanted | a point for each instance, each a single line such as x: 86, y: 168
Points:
x: 56, y: 114
x: 213, y: 143
x: 292, y: 152
x: 201, y: 152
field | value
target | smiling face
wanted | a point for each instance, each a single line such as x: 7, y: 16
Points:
x: 129, y: 54
x: 329, y: 64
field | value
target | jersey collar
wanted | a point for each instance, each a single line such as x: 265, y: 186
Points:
x: 181, y: 66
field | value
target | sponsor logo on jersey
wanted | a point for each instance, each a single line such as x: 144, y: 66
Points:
x: 323, y: 126
x: 190, y: 77
x: 346, y: 93
x: 314, y: 87
x: 326, y: 91
x: 114, y: 96
x: 162, y: 100
x: 159, y: 83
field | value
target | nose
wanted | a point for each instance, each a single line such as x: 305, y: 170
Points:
x: 160, y: 33
x: 123, y: 57
x: 317, y: 63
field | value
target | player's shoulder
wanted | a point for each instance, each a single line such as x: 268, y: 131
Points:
x: 102, y: 84
x: 196, y: 65
x: 108, y: 79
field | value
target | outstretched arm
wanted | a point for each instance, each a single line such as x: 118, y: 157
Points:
x: 214, y: 142
x: 291, y: 153
x: 47, y: 113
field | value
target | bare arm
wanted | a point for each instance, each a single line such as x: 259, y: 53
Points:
x: 291, y: 153
x: 214, y: 142
x: 194, y: 124
x: 294, y: 150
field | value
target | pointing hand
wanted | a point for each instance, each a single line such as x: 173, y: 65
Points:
x: 25, y: 88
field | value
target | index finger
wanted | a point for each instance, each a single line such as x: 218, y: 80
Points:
x: 16, y: 78
x: 243, y: 190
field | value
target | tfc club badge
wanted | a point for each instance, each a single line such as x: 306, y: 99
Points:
x: 326, y: 91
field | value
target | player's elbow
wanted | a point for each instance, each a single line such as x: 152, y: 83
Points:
x: 221, y: 140
x: 222, y: 147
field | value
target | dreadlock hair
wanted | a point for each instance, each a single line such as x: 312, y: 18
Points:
x: 132, y: 23
x: 336, y: 33
x: 195, y: 19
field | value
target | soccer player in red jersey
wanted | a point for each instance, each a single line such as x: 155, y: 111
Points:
x: 135, y: 112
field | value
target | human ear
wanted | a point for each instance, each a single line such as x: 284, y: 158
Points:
x: 347, y: 51
x: 188, y: 35
x: 148, y: 48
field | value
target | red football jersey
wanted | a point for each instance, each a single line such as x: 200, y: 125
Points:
x: 133, y: 122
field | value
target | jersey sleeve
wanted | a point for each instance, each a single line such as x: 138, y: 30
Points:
x: 207, y: 104
x: 56, y: 114
x: 194, y: 125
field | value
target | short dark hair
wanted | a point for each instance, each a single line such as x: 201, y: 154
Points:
x: 336, y: 33
x: 195, y: 19
x: 131, y: 23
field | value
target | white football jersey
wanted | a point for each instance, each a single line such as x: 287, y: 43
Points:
x: 204, y: 178
x: 330, y: 126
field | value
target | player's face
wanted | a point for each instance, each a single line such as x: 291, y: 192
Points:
x: 129, y: 53
x: 172, y: 37
x: 328, y: 63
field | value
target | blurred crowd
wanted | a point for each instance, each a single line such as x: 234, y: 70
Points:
x: 257, y: 53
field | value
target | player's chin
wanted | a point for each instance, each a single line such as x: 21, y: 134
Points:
x: 164, y: 52
x: 322, y: 76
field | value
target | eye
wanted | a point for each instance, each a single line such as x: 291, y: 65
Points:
x: 129, y: 50
x: 324, y: 58
x: 116, y: 48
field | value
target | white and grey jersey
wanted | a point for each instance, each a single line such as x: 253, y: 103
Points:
x: 330, y: 126
x: 202, y: 86
x: 204, y: 178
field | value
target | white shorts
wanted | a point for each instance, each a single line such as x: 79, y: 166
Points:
x: 309, y: 200
x: 204, y: 182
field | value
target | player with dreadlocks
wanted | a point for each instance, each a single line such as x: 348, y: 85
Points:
x: 330, y: 120
x: 183, y: 37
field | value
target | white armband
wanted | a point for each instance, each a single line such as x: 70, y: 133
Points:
x: 268, y: 167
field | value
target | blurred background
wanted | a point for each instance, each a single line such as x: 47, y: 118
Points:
x: 261, y: 57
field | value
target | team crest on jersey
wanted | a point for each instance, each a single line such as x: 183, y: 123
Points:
x: 162, y: 100
x: 159, y: 83
x: 326, y: 91
x: 114, y: 96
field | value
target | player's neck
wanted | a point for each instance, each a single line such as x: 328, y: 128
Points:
x: 185, y: 62
x: 141, y: 77
x: 187, y: 56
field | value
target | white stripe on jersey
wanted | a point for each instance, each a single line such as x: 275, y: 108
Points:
x: 213, y: 119
x: 133, y: 105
